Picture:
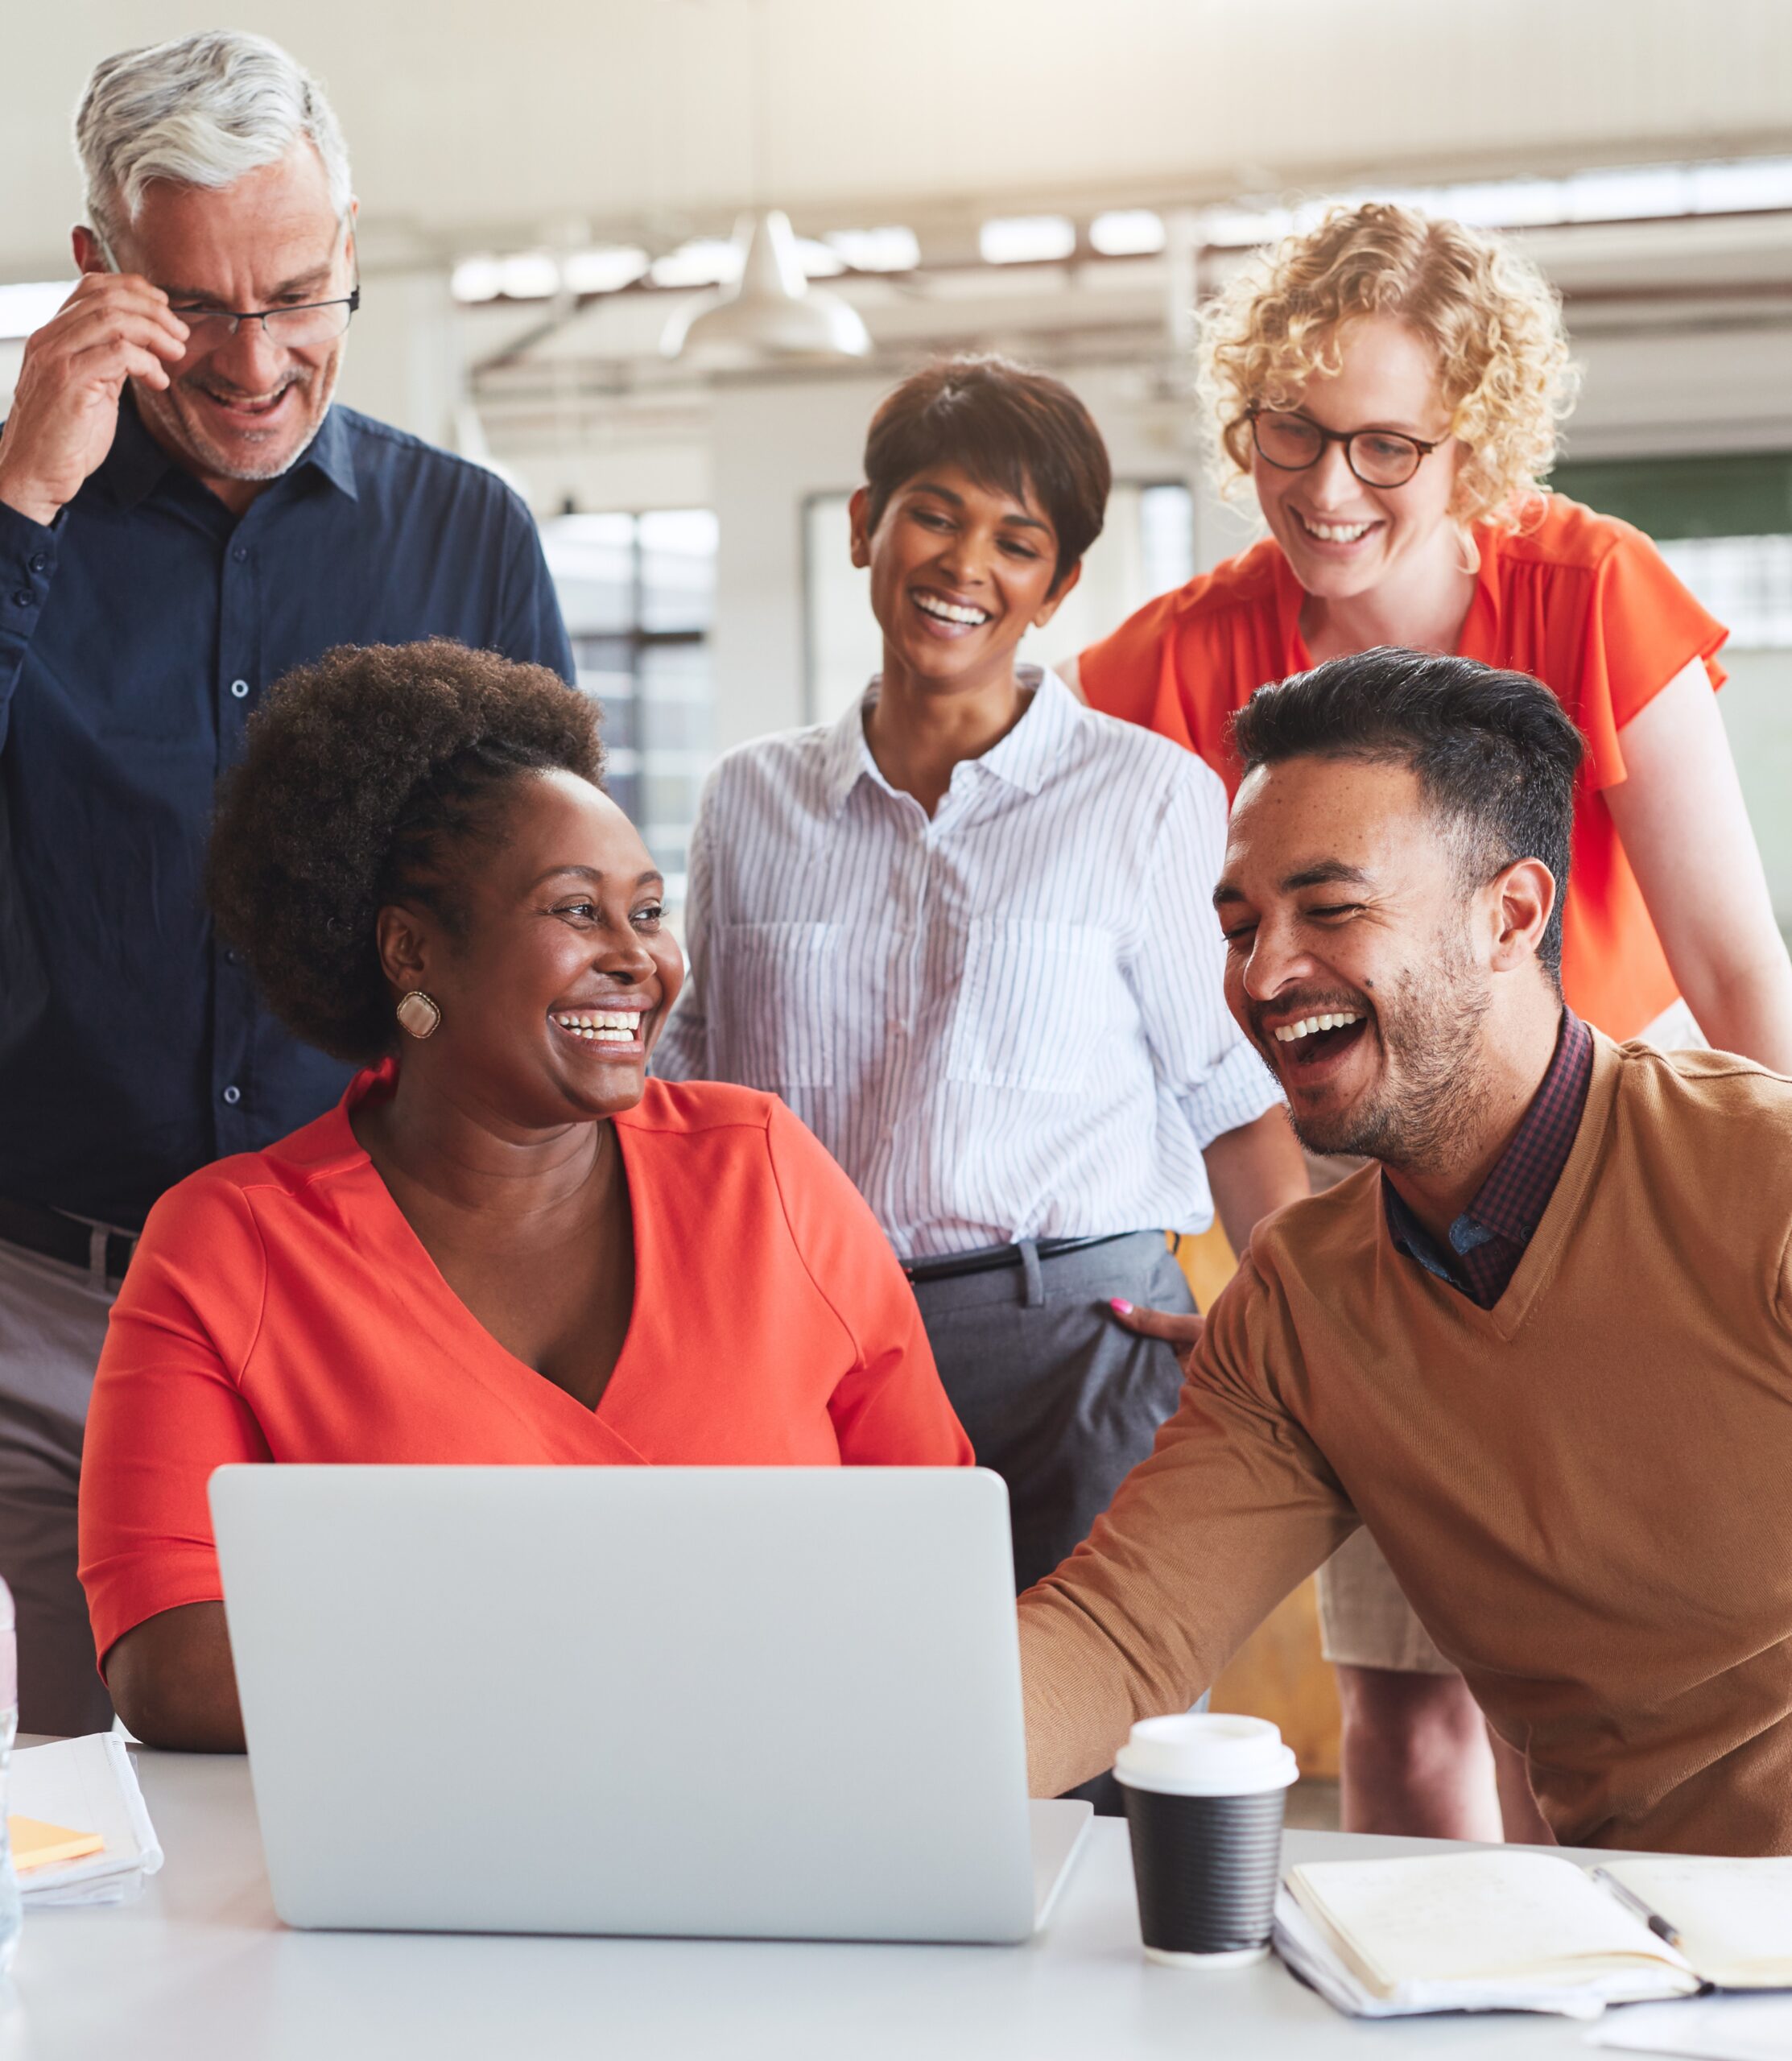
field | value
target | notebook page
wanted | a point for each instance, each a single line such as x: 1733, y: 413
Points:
x: 1734, y: 1917
x: 1475, y: 1916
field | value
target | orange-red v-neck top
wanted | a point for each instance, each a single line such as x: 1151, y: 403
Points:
x: 1583, y: 602
x: 280, y: 1307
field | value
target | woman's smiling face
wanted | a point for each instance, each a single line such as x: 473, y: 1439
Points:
x: 960, y: 572
x: 1343, y: 538
x: 560, y: 975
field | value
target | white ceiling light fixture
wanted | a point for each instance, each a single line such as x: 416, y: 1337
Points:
x: 1026, y: 239
x: 891, y: 248
x: 819, y: 260
x: 705, y: 261
x: 1128, y: 233
x: 767, y: 314
x: 528, y: 275
x: 606, y: 269
x: 771, y: 314
x: 476, y: 279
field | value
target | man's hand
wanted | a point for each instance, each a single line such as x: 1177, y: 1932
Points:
x: 1182, y: 1334
x: 114, y: 327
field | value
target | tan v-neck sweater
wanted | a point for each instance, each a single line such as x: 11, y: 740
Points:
x: 1585, y: 1491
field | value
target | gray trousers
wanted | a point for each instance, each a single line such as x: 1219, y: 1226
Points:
x: 52, y: 1324
x: 1054, y: 1396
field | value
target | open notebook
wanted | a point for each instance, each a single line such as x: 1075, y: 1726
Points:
x: 1516, y: 1931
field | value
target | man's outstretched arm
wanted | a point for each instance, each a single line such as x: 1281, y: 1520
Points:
x: 1234, y: 1507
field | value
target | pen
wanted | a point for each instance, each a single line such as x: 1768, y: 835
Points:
x: 1654, y: 1919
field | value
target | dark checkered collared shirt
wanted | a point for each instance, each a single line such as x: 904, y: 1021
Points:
x: 1488, y: 1239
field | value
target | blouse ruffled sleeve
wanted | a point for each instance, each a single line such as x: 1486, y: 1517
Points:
x: 1641, y: 628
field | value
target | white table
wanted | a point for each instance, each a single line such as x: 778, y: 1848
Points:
x: 199, y: 1969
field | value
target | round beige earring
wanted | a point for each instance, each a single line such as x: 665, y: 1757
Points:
x: 419, y: 1014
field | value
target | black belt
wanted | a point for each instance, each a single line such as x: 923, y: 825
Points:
x: 987, y: 1259
x: 57, y: 1236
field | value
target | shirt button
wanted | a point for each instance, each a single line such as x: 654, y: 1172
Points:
x: 22, y: 599
x: 241, y: 555
x: 233, y: 1095
x: 39, y: 561
x: 240, y: 688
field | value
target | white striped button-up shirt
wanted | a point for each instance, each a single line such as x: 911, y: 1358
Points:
x: 1006, y: 1022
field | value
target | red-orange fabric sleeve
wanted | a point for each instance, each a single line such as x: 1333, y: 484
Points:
x: 888, y: 1410
x: 167, y: 1408
x: 1641, y: 628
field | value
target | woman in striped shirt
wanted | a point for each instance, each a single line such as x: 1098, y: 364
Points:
x: 964, y: 932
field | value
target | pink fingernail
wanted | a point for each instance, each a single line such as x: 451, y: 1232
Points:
x: 1123, y: 1309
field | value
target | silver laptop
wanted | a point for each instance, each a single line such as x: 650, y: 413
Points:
x: 744, y: 1702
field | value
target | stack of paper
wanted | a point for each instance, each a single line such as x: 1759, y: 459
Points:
x: 80, y: 1798
x: 1493, y: 1931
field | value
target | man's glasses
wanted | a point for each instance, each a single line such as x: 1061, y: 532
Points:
x: 1378, y: 457
x: 303, y: 328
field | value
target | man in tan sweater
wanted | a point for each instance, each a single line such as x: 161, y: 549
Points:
x: 1541, y: 1349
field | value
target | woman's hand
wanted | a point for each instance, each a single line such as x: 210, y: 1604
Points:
x: 1181, y: 1333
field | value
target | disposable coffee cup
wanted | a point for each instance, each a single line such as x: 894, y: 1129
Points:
x: 1204, y: 1795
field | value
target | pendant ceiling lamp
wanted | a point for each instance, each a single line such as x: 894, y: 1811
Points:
x: 772, y: 314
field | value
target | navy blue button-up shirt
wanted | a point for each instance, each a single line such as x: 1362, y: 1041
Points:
x: 137, y: 634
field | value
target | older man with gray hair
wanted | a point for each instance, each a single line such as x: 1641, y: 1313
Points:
x: 184, y: 516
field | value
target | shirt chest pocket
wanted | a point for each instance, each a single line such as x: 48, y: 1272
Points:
x: 776, y: 1002
x: 1037, y: 1003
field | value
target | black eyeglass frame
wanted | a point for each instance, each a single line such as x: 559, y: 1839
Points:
x: 237, y: 317
x: 1347, y: 438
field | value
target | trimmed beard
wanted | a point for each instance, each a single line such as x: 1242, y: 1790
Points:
x: 1427, y: 1103
x: 201, y: 456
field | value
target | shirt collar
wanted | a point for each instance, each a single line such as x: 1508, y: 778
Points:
x: 1510, y: 1202
x: 331, y: 451
x: 137, y: 464
x: 1024, y: 758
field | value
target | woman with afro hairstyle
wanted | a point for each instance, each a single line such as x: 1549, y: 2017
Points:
x: 1389, y: 387
x: 501, y: 1246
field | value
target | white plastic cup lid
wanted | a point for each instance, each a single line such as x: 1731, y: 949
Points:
x: 1206, y: 1753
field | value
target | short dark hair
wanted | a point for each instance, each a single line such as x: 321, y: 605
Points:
x: 362, y: 774
x: 1021, y: 432
x: 1495, y: 753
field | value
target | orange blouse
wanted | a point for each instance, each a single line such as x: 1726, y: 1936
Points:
x: 1580, y: 601
x: 280, y: 1307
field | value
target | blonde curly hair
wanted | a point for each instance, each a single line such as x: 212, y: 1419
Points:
x: 1493, y: 320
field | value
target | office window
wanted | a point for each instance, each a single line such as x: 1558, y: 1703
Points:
x: 1146, y: 548
x: 639, y: 595
x: 1746, y: 582
x: 1724, y: 522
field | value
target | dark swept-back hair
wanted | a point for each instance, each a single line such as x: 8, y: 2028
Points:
x: 1494, y: 753
x: 1022, y: 432
x: 365, y: 778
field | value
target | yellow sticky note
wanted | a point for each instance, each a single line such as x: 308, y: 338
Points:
x: 36, y: 1845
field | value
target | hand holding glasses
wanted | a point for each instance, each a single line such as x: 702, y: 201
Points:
x: 1378, y: 457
